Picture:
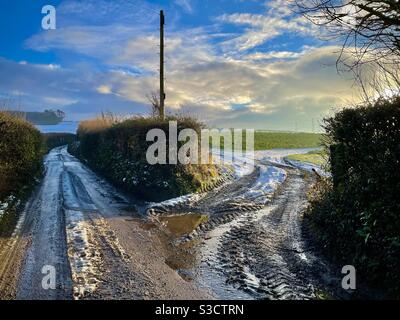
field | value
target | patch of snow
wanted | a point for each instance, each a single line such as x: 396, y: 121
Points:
x: 241, y: 162
x: 3, y: 207
x: 20, y: 222
x: 244, y: 163
x: 83, y: 256
x: 174, y: 201
x: 267, y: 183
x: 250, y: 278
x: 6, y: 203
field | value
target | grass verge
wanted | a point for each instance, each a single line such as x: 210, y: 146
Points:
x: 316, y: 157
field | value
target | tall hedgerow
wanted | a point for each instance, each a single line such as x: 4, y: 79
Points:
x: 357, y: 218
x: 117, y: 150
x: 20, y: 154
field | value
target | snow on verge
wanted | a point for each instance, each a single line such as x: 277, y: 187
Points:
x: 3, y: 208
x: 241, y: 162
x: 84, y: 258
x: 6, y: 204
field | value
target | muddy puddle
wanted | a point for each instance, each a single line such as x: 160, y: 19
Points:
x: 196, y: 260
x: 175, y: 226
x: 183, y: 258
x: 179, y: 225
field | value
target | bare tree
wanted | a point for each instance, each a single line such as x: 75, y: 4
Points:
x: 154, y: 99
x: 370, y: 33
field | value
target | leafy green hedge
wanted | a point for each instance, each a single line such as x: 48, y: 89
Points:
x: 20, y: 154
x: 118, y: 152
x: 358, y: 218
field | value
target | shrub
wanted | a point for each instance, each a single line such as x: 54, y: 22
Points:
x: 53, y: 140
x: 20, y: 154
x: 358, y: 217
x: 117, y: 150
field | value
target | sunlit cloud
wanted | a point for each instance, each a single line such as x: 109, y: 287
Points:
x: 220, y: 75
x: 104, y: 89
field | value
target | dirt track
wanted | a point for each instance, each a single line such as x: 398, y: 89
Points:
x: 253, y: 251
x: 251, y: 247
x: 93, y: 237
x: 266, y: 255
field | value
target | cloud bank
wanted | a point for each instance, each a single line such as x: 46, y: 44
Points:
x: 226, y: 78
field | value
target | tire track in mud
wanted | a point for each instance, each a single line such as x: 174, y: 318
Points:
x: 47, y: 231
x: 220, y: 203
x: 81, y: 225
x: 251, y: 250
x: 254, y: 251
x: 112, y: 273
x: 266, y: 255
x: 98, y: 261
x: 62, y: 227
x: 83, y: 246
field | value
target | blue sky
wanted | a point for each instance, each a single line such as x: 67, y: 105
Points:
x: 232, y: 63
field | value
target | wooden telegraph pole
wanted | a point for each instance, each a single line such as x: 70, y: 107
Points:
x: 162, y: 93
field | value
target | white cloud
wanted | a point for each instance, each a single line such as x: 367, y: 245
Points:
x: 202, y: 81
x: 250, y: 89
x: 34, y: 87
x: 306, y: 86
x: 50, y: 66
x: 280, y: 7
x: 273, y: 55
x: 278, y: 20
x: 185, y: 4
x: 59, y: 101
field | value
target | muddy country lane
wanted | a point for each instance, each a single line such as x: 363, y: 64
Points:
x: 253, y: 246
x: 92, y: 236
x: 102, y: 245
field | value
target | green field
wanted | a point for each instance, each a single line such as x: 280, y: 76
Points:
x: 315, y: 157
x: 266, y: 140
x: 286, y: 140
